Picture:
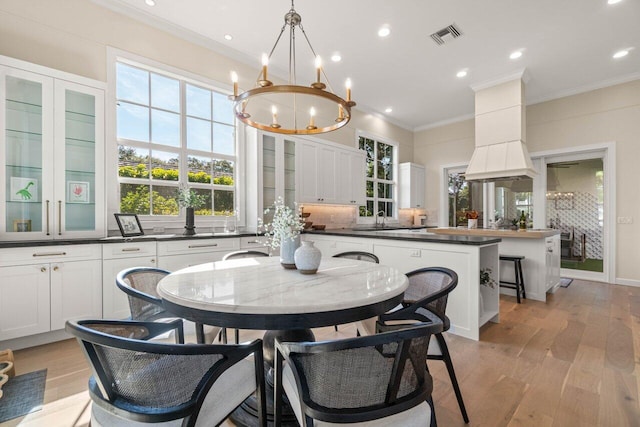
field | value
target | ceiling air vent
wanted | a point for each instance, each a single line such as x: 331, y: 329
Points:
x: 451, y: 30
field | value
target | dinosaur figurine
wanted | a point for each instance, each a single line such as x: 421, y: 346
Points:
x: 24, y: 193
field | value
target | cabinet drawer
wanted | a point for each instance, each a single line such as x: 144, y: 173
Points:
x: 197, y: 246
x: 253, y: 242
x: 46, y: 254
x: 129, y: 250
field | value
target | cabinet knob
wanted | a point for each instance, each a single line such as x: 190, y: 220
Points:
x: 43, y: 269
x: 56, y: 268
x: 153, y: 261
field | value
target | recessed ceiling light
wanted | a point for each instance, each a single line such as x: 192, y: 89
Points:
x: 228, y: 37
x: 515, y: 55
x: 462, y: 73
x: 621, y: 54
x: 150, y: 2
x: 384, y: 31
x: 613, y: 1
x: 388, y: 110
x: 336, y: 57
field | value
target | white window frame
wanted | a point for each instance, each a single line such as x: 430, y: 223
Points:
x: 113, y: 180
x: 394, y: 182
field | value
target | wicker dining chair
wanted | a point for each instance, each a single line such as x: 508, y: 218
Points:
x: 359, y: 256
x: 240, y: 255
x: 425, y: 300
x: 379, y: 380
x: 136, y: 382
x: 140, y: 283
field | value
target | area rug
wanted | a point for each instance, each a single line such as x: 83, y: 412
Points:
x: 565, y: 282
x: 23, y: 394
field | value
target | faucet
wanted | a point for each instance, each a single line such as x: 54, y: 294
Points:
x: 384, y: 216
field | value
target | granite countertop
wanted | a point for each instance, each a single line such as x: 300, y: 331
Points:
x: 414, y: 234
x: 120, y: 239
x: 530, y: 233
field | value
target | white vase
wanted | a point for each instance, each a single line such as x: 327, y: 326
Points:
x: 473, y: 223
x: 307, y: 258
x: 287, y: 249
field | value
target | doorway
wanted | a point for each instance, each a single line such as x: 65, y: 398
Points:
x: 575, y: 206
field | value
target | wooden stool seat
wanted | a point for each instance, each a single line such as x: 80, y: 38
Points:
x: 518, y: 284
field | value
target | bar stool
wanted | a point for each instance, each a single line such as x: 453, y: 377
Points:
x: 518, y: 285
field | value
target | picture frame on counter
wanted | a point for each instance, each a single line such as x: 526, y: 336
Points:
x: 129, y: 225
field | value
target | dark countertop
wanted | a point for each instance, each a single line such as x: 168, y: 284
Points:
x: 120, y: 239
x: 409, y: 234
x: 413, y: 234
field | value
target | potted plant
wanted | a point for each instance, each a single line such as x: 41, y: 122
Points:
x: 486, y: 279
x: 472, y: 219
x: 189, y: 199
x: 283, y: 232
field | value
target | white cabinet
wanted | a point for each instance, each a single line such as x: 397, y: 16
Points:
x: 179, y: 254
x: 552, y: 278
x: 351, y: 179
x: 412, y: 184
x: 117, y: 257
x: 316, y: 172
x: 63, y: 284
x: 332, y: 245
x: 52, y: 142
x: 24, y: 301
x: 76, y: 291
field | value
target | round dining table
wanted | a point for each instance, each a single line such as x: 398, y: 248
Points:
x: 258, y: 293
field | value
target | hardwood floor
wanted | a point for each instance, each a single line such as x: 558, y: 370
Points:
x: 574, y: 361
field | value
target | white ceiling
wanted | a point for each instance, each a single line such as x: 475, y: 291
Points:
x: 567, y: 45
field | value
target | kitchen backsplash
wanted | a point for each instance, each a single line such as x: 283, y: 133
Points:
x: 334, y: 216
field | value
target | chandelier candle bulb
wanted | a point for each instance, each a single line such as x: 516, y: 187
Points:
x: 265, y: 63
x: 318, y: 68
x: 234, y: 79
x: 312, y: 121
x: 340, y: 114
x: 348, y: 86
x: 274, y: 117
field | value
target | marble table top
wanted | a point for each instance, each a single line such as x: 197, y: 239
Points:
x: 261, y: 286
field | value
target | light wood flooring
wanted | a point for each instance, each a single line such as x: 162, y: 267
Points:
x: 574, y: 361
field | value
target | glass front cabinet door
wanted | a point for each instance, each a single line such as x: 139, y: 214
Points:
x: 53, y: 157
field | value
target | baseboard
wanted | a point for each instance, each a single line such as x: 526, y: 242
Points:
x: 35, y: 340
x: 628, y: 282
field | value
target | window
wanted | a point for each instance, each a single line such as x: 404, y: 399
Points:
x: 380, y: 177
x: 173, y: 132
x: 463, y: 196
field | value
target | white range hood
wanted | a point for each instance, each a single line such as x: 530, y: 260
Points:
x: 500, y: 122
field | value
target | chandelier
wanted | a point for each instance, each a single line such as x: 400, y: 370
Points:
x: 275, y: 108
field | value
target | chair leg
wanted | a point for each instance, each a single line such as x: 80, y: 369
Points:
x: 237, y: 336
x: 524, y: 292
x: 446, y: 357
x: 433, y: 422
x: 224, y: 335
x: 335, y: 327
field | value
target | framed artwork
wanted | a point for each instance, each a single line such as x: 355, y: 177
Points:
x: 21, y: 225
x: 129, y: 225
x: 77, y: 192
x: 24, y: 189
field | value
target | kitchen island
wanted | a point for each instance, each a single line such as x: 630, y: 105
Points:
x: 540, y: 247
x: 470, y: 305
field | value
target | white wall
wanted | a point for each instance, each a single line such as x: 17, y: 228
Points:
x: 605, y: 115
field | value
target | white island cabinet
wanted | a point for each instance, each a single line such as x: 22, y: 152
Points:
x: 466, y: 309
x: 541, y: 251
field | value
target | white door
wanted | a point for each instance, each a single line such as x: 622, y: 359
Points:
x: 76, y: 291
x: 115, y: 304
x: 24, y: 301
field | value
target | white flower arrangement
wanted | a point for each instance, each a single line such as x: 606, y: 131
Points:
x: 286, y: 224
